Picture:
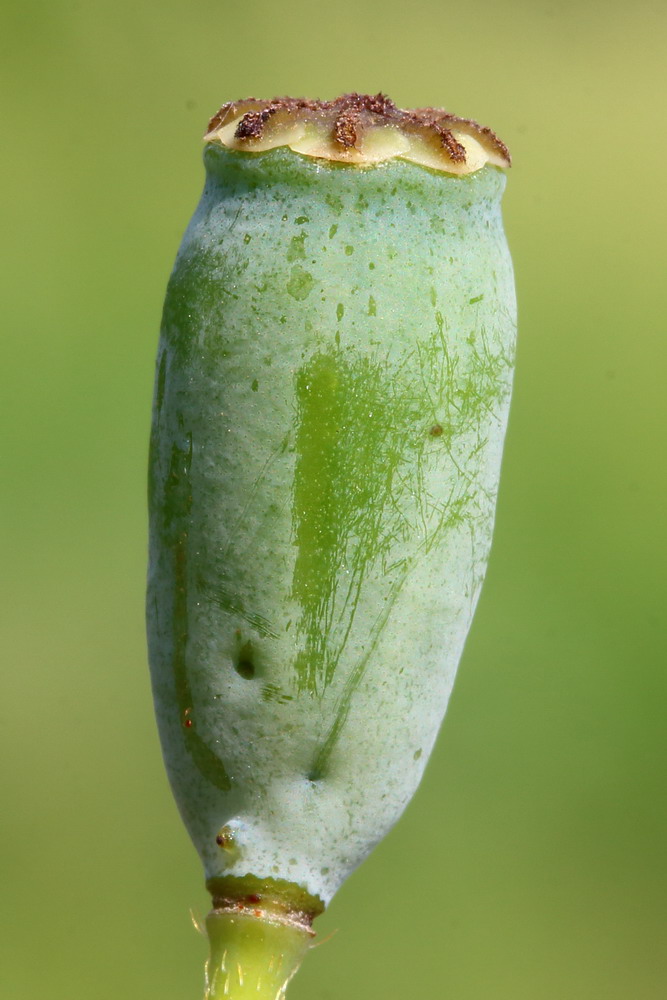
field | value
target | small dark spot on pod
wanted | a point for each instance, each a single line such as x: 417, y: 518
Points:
x: 436, y: 430
x: 245, y: 662
x: 225, y: 838
x: 253, y: 897
x: 187, y: 721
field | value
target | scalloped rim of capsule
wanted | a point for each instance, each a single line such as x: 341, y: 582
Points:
x: 312, y: 135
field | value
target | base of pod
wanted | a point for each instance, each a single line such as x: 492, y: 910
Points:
x: 254, y: 949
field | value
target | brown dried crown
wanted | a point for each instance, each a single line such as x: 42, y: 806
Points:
x: 358, y: 129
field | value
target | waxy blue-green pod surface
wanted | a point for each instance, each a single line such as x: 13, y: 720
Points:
x: 333, y: 381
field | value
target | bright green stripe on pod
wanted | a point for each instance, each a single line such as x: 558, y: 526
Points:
x: 318, y: 509
x: 333, y: 382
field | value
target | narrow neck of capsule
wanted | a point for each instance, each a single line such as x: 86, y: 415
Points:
x: 252, y: 958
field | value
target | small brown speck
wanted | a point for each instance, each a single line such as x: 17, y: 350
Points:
x: 436, y: 431
x: 345, y: 129
x: 252, y: 124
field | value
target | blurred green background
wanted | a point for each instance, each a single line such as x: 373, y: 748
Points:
x: 532, y: 862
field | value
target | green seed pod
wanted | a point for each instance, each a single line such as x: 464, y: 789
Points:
x: 333, y: 381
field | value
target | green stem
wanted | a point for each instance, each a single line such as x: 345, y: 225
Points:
x: 253, y: 954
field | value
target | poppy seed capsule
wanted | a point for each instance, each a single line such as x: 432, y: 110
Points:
x: 333, y: 381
